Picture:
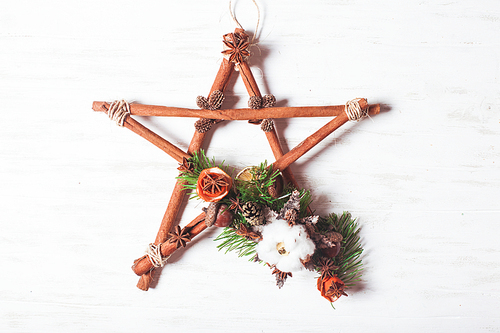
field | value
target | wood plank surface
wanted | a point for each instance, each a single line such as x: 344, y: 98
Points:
x: 80, y: 198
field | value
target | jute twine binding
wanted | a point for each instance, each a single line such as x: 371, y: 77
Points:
x: 354, y: 111
x: 238, y: 23
x: 154, y: 254
x: 118, y: 111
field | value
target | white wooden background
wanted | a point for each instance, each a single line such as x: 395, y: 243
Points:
x: 80, y: 198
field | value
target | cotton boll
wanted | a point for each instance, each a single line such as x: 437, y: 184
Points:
x: 297, y: 245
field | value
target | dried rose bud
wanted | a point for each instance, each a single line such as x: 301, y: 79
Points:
x: 213, y: 184
x: 331, y: 287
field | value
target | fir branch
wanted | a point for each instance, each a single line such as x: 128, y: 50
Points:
x: 349, y: 261
x: 231, y: 241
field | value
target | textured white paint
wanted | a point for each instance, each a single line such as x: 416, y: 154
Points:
x: 80, y: 198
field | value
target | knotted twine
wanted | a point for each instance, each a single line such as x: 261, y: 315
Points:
x: 118, y: 111
x: 153, y: 252
x: 354, y: 111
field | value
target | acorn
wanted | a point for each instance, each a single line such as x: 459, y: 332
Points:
x: 224, y: 217
x: 276, y: 188
x: 333, y: 251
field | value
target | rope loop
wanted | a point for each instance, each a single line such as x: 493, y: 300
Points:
x: 154, y: 254
x: 118, y: 111
x: 354, y: 111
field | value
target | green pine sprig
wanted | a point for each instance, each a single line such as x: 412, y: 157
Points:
x: 256, y: 189
x: 231, y: 241
x: 349, y: 259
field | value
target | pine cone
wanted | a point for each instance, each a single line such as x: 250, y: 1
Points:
x: 252, y: 213
x: 255, y: 102
x: 203, y: 125
x: 202, y: 103
x: 215, y: 100
x: 268, y: 101
x: 267, y: 125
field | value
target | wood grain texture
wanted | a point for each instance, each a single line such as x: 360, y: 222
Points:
x: 80, y: 197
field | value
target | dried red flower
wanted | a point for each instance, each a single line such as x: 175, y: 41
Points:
x: 331, y: 287
x: 213, y: 184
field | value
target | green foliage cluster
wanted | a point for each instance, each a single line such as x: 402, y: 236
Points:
x: 349, y: 259
x: 256, y: 190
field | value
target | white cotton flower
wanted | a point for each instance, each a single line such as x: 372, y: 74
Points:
x: 284, y: 246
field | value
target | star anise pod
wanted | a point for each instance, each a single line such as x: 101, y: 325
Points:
x: 213, y: 183
x: 235, y: 204
x: 326, y: 267
x: 245, y: 232
x: 335, y: 292
x: 180, y: 237
x: 280, y: 276
x: 237, y: 48
x: 186, y: 165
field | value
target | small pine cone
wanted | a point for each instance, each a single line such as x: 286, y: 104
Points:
x: 215, y: 100
x: 253, y: 213
x: 267, y: 125
x: 203, y: 125
x: 255, y: 102
x: 202, y: 102
x: 291, y: 216
x: 211, y: 213
x: 268, y: 101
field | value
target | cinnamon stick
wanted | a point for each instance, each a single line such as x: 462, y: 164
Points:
x: 220, y: 83
x: 172, y: 210
x: 274, y: 143
x: 147, y: 134
x: 237, y: 114
x: 248, y: 79
x: 223, y: 76
x: 311, y: 141
x: 195, y: 227
x: 272, y: 138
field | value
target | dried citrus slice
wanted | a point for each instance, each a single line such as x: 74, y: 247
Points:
x: 246, y: 174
